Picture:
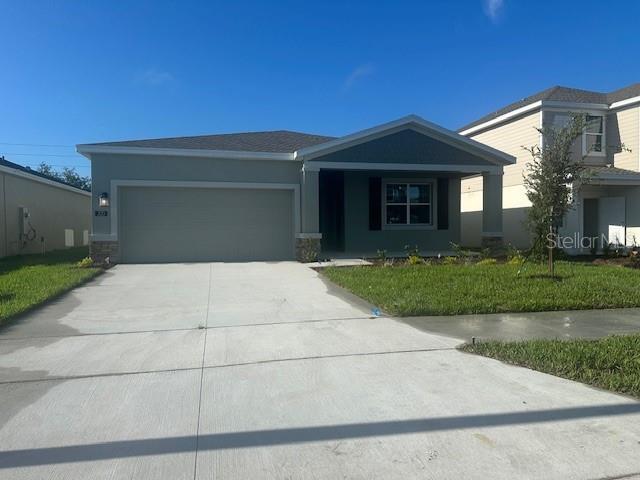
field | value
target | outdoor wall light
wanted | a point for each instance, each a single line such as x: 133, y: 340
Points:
x: 103, y: 200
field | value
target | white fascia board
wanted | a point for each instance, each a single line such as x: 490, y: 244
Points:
x: 88, y: 150
x: 415, y: 123
x: 502, y: 118
x: 402, y: 167
x: 624, y: 103
x: 533, y: 106
x: 46, y: 181
x: 574, y: 105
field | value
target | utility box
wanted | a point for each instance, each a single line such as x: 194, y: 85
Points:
x: 23, y: 218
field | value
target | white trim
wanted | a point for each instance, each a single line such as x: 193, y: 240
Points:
x: 502, y: 118
x: 418, y: 167
x: 103, y: 237
x: 588, y: 111
x: 116, y: 184
x: 317, y: 236
x: 540, y: 127
x: 575, y: 105
x: 417, y: 124
x: 603, y: 135
x: 624, y: 103
x: 88, y: 150
x: 432, y: 204
x: 46, y: 181
x: 532, y: 106
x: 492, y: 234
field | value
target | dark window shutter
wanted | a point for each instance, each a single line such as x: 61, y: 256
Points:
x: 443, y: 204
x: 375, y: 203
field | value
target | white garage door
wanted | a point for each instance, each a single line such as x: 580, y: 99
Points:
x: 205, y: 224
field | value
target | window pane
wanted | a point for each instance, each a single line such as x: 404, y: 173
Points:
x: 558, y: 120
x: 594, y: 143
x: 396, y: 214
x: 420, y: 193
x: 594, y: 124
x: 420, y: 214
x: 396, y: 193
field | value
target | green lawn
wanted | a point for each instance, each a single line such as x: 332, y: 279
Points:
x: 612, y: 363
x: 458, y: 289
x: 28, y: 280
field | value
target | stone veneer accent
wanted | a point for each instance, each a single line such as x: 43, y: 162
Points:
x: 104, y: 251
x: 308, y: 247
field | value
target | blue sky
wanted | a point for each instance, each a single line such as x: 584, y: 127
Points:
x: 85, y: 71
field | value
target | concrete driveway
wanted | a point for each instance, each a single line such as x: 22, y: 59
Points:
x: 262, y: 370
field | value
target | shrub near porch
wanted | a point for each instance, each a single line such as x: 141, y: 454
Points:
x: 441, y: 289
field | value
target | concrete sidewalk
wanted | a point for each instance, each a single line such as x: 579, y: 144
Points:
x: 263, y: 370
x: 525, y: 326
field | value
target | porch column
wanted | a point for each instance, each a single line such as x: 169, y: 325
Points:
x: 308, y: 239
x: 492, y: 209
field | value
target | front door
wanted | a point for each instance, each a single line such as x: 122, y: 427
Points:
x: 611, y: 217
x: 332, y: 210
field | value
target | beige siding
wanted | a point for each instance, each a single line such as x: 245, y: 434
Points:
x: 53, y: 210
x: 514, y: 204
x: 623, y: 128
x: 510, y: 138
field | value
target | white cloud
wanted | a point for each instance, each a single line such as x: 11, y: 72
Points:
x: 153, y: 77
x: 357, y: 74
x: 493, y: 9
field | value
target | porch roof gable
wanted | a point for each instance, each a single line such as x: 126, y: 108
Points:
x: 492, y: 156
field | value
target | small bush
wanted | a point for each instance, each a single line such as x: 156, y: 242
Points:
x: 412, y: 250
x: 513, y: 252
x: 86, y: 262
x: 450, y: 261
x: 485, y: 253
x: 414, y: 260
x: 464, y: 255
x: 515, y: 261
x: 381, y: 256
x: 487, y: 261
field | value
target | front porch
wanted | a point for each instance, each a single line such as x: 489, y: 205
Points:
x: 605, y: 212
x: 395, y: 187
x: 364, y: 212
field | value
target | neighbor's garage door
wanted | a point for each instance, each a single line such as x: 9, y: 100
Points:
x: 205, y: 224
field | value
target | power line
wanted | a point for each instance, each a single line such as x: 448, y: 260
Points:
x: 37, y: 145
x: 41, y: 154
x: 59, y: 165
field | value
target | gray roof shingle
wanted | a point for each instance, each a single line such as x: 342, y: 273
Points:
x: 563, y: 94
x: 611, y: 172
x: 279, y: 141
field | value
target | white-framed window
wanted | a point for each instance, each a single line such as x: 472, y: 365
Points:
x: 408, y: 203
x: 593, y: 136
x: 593, y: 141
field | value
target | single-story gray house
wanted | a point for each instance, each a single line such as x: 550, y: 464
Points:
x: 282, y: 195
x: 39, y: 213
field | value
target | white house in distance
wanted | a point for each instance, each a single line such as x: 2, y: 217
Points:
x: 607, y: 205
x: 39, y: 213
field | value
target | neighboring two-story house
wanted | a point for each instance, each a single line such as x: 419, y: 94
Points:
x: 608, y: 204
